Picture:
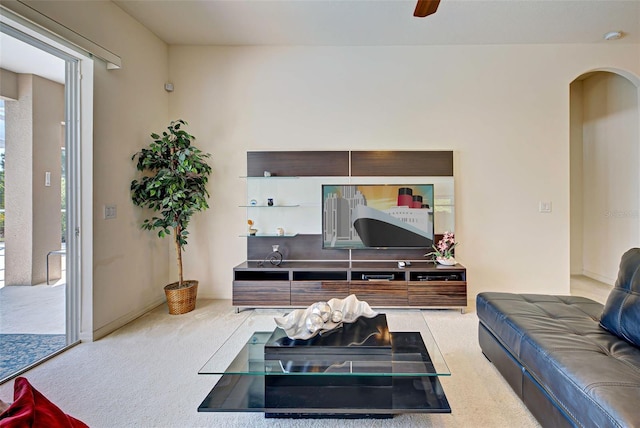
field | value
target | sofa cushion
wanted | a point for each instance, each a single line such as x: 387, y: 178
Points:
x: 591, y: 374
x: 32, y: 409
x: 621, y: 314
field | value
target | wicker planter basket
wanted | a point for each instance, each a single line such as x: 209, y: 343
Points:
x: 181, y: 300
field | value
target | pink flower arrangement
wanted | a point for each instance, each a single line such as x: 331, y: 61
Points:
x: 444, y: 248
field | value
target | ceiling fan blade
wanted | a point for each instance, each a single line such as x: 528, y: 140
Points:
x: 426, y: 8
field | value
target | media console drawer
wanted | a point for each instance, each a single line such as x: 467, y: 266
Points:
x: 261, y: 293
x: 304, y: 293
x: 437, y: 293
x: 380, y: 293
x: 298, y: 285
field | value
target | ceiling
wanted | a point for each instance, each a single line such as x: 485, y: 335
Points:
x: 358, y: 23
x: 384, y: 22
x: 20, y: 57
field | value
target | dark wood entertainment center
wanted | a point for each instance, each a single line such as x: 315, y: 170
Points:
x: 300, y: 284
x: 309, y: 273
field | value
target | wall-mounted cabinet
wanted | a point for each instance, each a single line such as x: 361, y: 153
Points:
x: 284, y: 196
x: 298, y: 164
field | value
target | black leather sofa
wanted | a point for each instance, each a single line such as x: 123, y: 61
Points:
x: 573, y: 361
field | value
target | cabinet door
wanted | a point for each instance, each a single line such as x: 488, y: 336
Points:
x: 437, y: 293
x: 304, y: 293
x: 261, y: 293
x: 380, y: 293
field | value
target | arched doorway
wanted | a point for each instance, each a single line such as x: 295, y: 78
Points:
x: 604, y: 172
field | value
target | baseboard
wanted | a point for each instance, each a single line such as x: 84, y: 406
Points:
x: 124, y: 320
x: 603, y: 279
x: 212, y: 296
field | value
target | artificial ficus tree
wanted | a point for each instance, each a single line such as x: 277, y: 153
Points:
x: 173, y: 184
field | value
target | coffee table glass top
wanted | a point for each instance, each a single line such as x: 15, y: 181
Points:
x: 415, y: 352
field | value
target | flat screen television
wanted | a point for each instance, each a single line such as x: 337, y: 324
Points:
x: 367, y: 216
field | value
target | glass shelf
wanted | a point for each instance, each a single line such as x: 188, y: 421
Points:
x: 286, y: 177
x: 271, y: 235
x: 269, y: 206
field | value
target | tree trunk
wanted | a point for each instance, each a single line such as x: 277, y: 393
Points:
x: 176, y: 240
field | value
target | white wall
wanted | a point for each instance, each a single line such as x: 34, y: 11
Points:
x: 611, y: 161
x: 130, y: 265
x: 576, y: 178
x: 504, y: 110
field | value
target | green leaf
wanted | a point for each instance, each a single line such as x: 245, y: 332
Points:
x: 172, y: 181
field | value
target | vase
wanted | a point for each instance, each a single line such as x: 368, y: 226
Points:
x: 446, y: 261
x: 275, y: 258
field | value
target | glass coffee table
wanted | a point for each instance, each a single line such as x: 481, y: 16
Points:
x: 373, y: 368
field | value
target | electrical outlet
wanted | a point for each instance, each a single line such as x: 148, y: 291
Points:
x: 544, y: 207
x: 110, y: 212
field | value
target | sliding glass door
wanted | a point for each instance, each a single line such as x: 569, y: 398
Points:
x: 40, y: 178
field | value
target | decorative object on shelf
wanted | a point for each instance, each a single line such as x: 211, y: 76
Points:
x: 280, y: 231
x: 270, y: 202
x: 443, y: 252
x: 322, y: 317
x: 267, y: 174
x: 253, y: 202
x: 173, y: 184
x: 446, y: 262
x: 252, y: 230
x: 275, y: 257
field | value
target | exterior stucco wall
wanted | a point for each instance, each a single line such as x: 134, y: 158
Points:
x: 32, y: 222
x: 8, y: 84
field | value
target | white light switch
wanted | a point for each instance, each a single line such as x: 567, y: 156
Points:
x: 544, y: 207
x: 110, y: 212
x: 47, y: 179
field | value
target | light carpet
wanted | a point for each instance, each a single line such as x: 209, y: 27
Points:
x: 146, y: 375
